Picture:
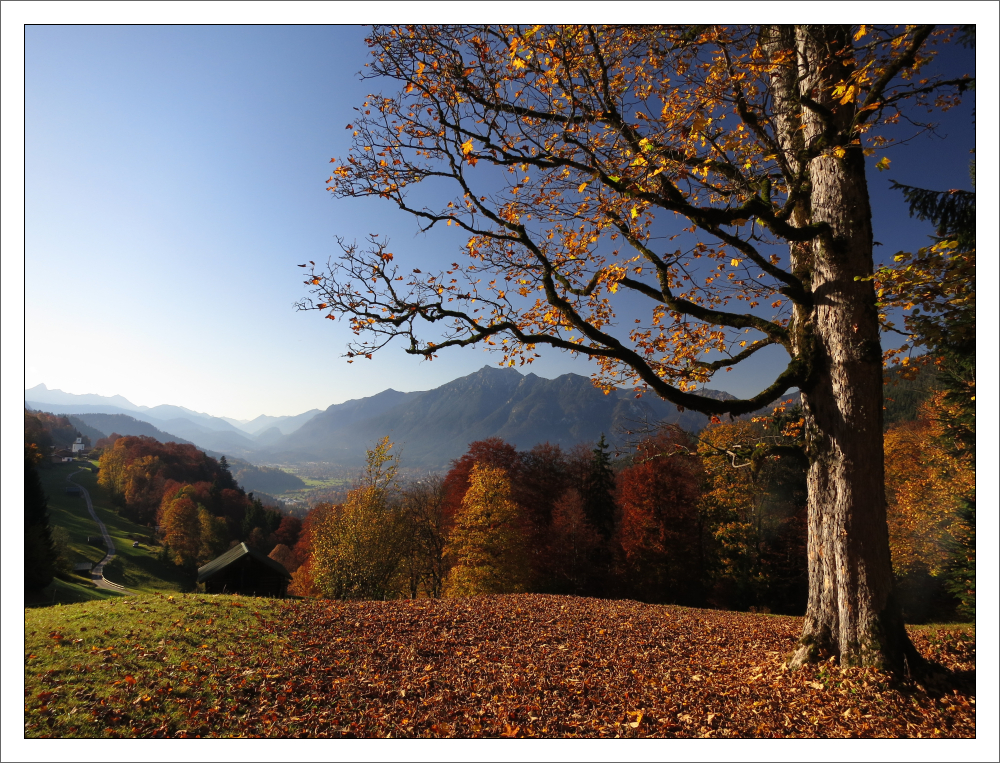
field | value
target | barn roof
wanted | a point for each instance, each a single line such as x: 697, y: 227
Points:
x: 235, y: 554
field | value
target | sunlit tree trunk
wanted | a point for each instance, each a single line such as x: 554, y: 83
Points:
x: 852, y: 612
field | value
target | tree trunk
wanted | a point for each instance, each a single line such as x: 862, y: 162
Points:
x: 852, y: 613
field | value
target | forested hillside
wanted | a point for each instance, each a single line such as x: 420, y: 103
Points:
x: 193, y: 498
x: 46, y: 430
x: 122, y: 424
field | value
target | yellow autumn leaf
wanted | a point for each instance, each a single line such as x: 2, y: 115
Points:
x: 581, y: 188
x: 882, y: 164
x: 635, y: 212
x: 467, y: 147
x: 734, y: 262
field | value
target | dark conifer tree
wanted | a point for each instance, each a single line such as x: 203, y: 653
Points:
x: 225, y: 477
x: 39, y: 552
x: 599, y: 491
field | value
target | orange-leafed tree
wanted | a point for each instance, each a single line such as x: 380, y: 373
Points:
x: 487, y: 542
x: 357, y: 548
x: 303, y: 584
x: 927, y: 485
x: 492, y: 451
x: 213, y: 533
x: 181, y: 527
x: 284, y: 556
x: 667, y: 201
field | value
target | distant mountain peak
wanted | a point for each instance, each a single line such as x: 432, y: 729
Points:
x: 43, y: 394
x: 490, y: 368
x: 436, y: 426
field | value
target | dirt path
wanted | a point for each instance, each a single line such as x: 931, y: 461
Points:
x: 97, y: 573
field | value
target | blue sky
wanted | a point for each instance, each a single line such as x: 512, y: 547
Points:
x: 174, y: 178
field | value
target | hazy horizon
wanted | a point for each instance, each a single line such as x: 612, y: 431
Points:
x: 145, y: 406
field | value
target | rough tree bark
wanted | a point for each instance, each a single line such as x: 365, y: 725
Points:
x: 851, y: 612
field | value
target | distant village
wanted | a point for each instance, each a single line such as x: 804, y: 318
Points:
x: 77, y: 449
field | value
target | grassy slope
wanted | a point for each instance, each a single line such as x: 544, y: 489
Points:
x: 91, y: 651
x: 550, y: 666
x: 138, y: 569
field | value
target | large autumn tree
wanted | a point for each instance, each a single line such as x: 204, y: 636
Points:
x: 668, y: 201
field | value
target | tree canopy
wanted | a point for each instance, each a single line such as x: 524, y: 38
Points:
x: 610, y: 142
x: 668, y: 201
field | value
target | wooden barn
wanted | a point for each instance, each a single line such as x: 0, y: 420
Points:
x: 245, y: 571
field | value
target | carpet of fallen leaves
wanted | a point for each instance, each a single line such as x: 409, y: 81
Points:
x: 497, y: 666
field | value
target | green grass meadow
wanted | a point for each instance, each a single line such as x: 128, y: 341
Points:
x: 157, y: 651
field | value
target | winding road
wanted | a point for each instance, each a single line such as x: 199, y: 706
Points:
x: 97, y: 572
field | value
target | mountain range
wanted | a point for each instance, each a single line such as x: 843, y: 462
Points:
x: 216, y: 433
x: 430, y: 428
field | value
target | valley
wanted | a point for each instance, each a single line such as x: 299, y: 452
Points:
x: 432, y: 428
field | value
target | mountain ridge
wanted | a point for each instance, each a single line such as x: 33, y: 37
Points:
x: 432, y: 427
x: 436, y: 426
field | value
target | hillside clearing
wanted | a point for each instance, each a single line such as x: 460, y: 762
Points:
x: 529, y: 665
x: 135, y: 568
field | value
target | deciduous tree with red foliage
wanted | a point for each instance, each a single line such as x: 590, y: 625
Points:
x: 659, y: 528
x: 573, y: 549
x: 288, y: 531
x: 540, y: 480
x: 181, y: 528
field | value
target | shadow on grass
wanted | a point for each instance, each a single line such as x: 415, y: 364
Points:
x: 71, y: 590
